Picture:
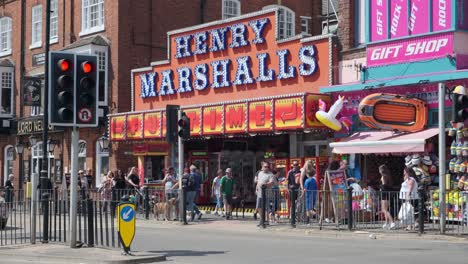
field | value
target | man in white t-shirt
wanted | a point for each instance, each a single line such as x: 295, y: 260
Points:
x: 265, y: 177
x: 216, y: 192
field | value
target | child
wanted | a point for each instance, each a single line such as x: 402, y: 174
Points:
x: 310, y: 188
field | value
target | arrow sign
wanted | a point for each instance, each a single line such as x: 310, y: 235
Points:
x: 291, y: 114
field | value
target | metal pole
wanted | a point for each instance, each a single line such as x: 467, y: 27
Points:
x: 442, y: 158
x: 182, y: 211
x: 45, y: 127
x: 34, y: 180
x: 74, y: 186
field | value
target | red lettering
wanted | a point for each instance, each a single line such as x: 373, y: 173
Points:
x: 235, y: 116
x: 260, y: 115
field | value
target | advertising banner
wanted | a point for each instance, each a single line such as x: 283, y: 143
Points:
x: 312, y: 106
x: 288, y: 113
x: 213, y: 120
x: 379, y: 20
x: 235, y: 118
x: 260, y: 116
x: 418, y: 22
x: 195, y: 115
x: 163, y: 124
x: 441, y: 15
x: 408, y: 50
x: 135, y: 126
x: 117, y: 127
x: 398, y: 18
x: 152, y: 125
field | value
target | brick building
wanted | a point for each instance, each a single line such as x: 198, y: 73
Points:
x: 125, y: 35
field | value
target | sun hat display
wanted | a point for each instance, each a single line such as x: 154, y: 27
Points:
x: 427, y: 161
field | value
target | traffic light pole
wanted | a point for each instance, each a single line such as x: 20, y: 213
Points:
x: 74, y: 186
x: 442, y: 158
x: 45, y: 130
x: 182, y: 211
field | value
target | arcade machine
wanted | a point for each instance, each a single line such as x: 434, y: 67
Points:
x: 201, y: 160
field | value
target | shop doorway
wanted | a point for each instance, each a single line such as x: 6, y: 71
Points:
x: 154, y: 166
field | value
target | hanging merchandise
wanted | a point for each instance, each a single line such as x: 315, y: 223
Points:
x: 393, y: 112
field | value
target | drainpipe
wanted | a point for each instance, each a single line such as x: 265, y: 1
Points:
x: 202, y: 11
x: 22, y: 51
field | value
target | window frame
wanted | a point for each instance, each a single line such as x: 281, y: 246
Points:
x: 53, y: 21
x: 6, y: 162
x: 286, y: 10
x: 308, y: 20
x: 225, y: 7
x: 11, y: 71
x: 86, y: 27
x: 100, y: 155
x: 7, y: 50
x: 36, y: 34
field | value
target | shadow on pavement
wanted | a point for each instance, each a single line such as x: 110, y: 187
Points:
x: 187, y: 253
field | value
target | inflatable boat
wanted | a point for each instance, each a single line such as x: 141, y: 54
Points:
x: 393, y: 112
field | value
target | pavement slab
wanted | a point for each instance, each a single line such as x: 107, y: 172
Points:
x: 56, y: 253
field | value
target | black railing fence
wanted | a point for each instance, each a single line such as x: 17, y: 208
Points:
x: 368, y: 210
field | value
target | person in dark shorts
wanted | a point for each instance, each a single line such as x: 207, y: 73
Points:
x: 227, y: 187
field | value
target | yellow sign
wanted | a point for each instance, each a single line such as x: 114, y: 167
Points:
x: 126, y: 224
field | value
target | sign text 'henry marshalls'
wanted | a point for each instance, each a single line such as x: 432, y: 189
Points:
x: 230, y: 76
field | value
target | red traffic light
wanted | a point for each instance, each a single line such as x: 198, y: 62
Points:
x: 63, y: 64
x: 86, y: 67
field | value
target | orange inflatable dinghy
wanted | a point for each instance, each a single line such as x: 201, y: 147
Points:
x: 393, y: 112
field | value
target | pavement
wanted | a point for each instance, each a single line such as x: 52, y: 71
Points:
x: 59, y: 253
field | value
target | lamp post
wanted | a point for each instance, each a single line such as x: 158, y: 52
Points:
x: 19, y: 150
x: 51, y: 145
x: 32, y: 141
x: 104, y: 143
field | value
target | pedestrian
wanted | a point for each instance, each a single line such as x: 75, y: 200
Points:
x: 89, y: 177
x: 294, y: 184
x: 216, y: 192
x: 106, y: 189
x: 409, y: 195
x: 274, y: 197
x: 169, y: 181
x: 265, y: 177
x: 226, y: 188
x: 192, y: 186
x: 386, y: 190
x: 9, y: 190
x: 310, y: 190
x: 83, y: 184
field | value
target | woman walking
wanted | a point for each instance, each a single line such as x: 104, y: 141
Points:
x: 386, y: 192
x: 409, y: 195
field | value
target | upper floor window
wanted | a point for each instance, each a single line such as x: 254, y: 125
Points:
x: 6, y: 91
x: 36, y: 26
x: 5, y: 36
x: 231, y: 8
x: 54, y: 21
x: 305, y: 25
x: 360, y: 21
x: 286, y: 21
x: 92, y: 18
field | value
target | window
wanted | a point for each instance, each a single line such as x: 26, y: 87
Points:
x: 36, y: 27
x: 5, y: 36
x: 8, y: 162
x: 102, y: 75
x: 286, y: 21
x: 360, y: 22
x: 92, y: 18
x: 305, y: 25
x: 102, y: 163
x: 6, y: 91
x: 82, y: 155
x: 231, y: 8
x: 54, y: 21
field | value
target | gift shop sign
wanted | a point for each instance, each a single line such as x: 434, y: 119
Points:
x: 240, y: 59
x: 415, y: 49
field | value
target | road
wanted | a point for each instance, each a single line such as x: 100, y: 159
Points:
x: 238, y: 242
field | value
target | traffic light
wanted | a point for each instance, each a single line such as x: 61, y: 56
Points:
x: 171, y: 125
x: 460, y: 103
x: 86, y: 96
x: 184, y: 126
x: 61, y: 88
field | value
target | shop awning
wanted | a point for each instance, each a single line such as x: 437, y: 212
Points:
x: 384, y: 142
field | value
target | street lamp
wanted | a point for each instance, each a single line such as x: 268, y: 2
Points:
x: 32, y: 141
x: 19, y: 150
x: 104, y: 143
x: 51, y: 145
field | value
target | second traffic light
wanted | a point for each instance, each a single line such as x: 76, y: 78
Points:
x: 86, y: 97
x: 184, y: 126
x: 460, y: 102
